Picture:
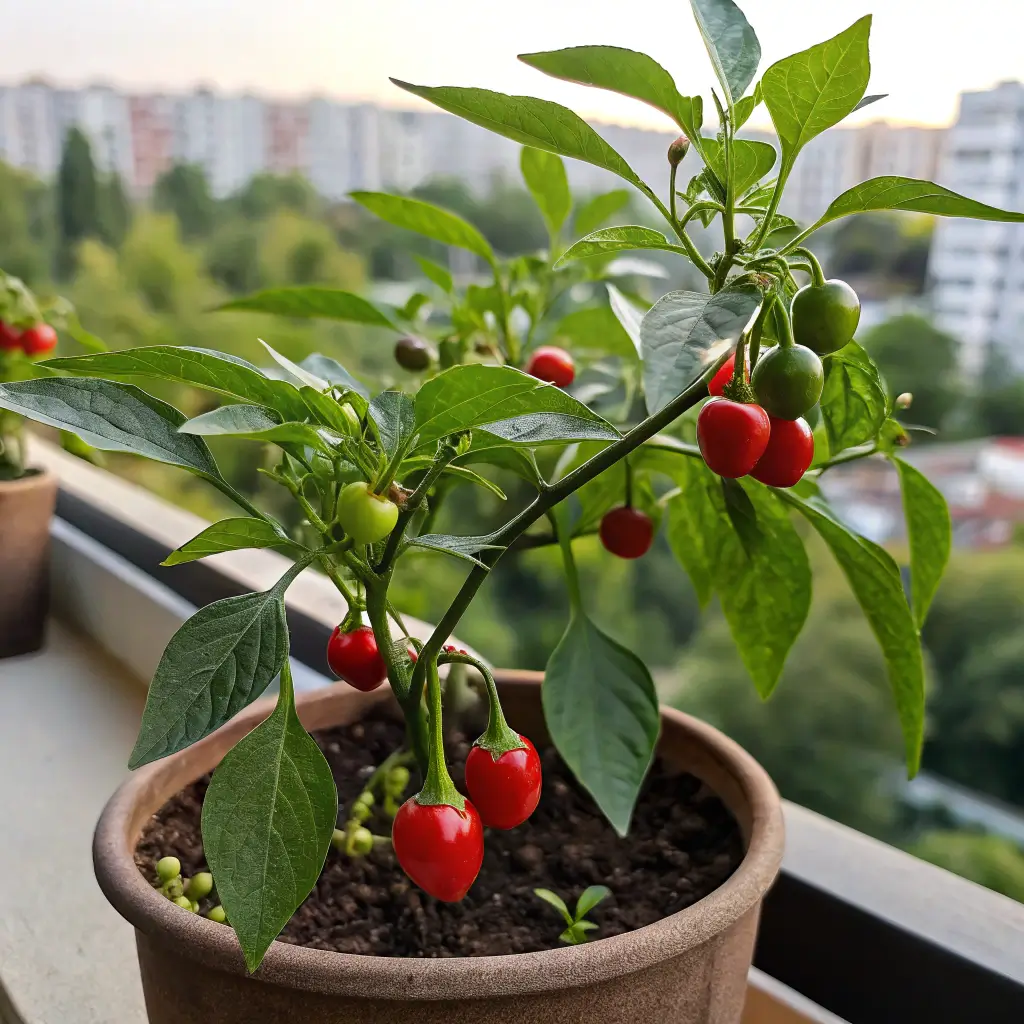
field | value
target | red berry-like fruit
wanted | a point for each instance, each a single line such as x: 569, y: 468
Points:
x: 716, y: 386
x: 552, y: 364
x: 732, y: 436
x: 626, y: 532
x: 439, y: 847
x: 505, y: 790
x: 38, y: 339
x: 790, y: 451
x: 10, y: 336
x: 354, y: 657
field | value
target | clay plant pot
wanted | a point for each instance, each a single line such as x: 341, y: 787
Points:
x: 26, y: 507
x: 689, y: 968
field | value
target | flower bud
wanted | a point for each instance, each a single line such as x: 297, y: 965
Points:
x: 168, y: 868
x: 396, y: 781
x: 185, y: 903
x: 903, y: 401
x: 217, y: 914
x: 173, y: 888
x: 360, y: 842
x: 199, y: 886
x: 677, y: 150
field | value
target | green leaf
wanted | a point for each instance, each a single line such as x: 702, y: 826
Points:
x: 544, y: 174
x: 218, y: 662
x: 626, y: 313
x: 875, y: 580
x: 816, y: 88
x: 930, y: 533
x: 461, y: 547
x: 334, y: 373
x: 853, y: 401
x: 742, y: 515
x: 394, y: 414
x: 597, y: 329
x: 531, y: 122
x: 731, y: 44
x: 203, y: 368
x: 268, y: 818
x: 868, y: 100
x: 112, y: 417
x: 595, y: 211
x: 326, y: 410
x: 305, y: 377
x: 626, y: 72
x: 589, y: 898
x: 464, y: 475
x: 441, y: 276
x: 227, y: 535
x: 744, y: 107
x: 914, y: 195
x: 311, y: 301
x: 602, y: 712
x: 542, y: 428
x: 608, y: 240
x: 476, y: 395
x: 751, y: 161
x: 426, y: 219
x: 556, y: 901
x: 684, y: 331
x: 257, y: 424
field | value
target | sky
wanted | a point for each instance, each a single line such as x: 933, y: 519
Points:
x: 924, y: 52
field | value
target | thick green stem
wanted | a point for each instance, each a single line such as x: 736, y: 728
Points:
x: 499, y: 737
x: 438, y: 787
x: 817, y: 274
x: 783, y: 326
x: 773, y: 207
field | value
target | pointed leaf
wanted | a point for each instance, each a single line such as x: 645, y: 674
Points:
x: 227, y: 535
x: 542, y: 428
x: 868, y: 100
x: 426, y: 219
x: 594, y: 212
x: 853, y: 401
x: 461, y: 547
x: 745, y: 107
x: 394, y: 414
x: 531, y: 122
x: 268, y: 818
x: 441, y: 276
x: 595, y: 328
x: 255, y: 423
x: 327, y: 411
x: 589, y: 898
x: 299, y: 373
x: 816, y: 88
x: 217, y: 663
x: 606, y: 240
x: 731, y: 44
x: 334, y: 373
x: 684, y: 331
x: 626, y: 313
x: 626, y: 72
x: 544, y: 174
x: 312, y: 301
x: 203, y: 368
x: 112, y: 417
x: 751, y: 161
x: 556, y: 901
x: 875, y: 580
x: 929, y: 532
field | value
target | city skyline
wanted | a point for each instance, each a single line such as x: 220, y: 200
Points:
x: 352, y: 51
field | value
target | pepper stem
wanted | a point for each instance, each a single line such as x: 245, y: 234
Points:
x: 438, y: 787
x: 499, y: 737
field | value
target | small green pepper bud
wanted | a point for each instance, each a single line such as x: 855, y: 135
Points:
x: 396, y: 781
x: 903, y: 401
x: 168, y: 868
x: 199, y: 886
x: 360, y: 842
x: 677, y: 150
x: 184, y: 902
x: 217, y: 914
x: 173, y: 888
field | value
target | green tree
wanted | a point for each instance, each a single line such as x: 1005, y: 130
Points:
x: 992, y: 861
x: 185, y: 192
x: 265, y: 194
x: 115, y: 210
x: 915, y: 356
x: 891, y: 252
x: 77, y: 195
x: 27, y: 226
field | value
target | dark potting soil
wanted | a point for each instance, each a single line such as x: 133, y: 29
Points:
x: 683, y: 844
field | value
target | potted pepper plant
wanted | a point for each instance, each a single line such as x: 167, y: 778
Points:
x: 748, y: 391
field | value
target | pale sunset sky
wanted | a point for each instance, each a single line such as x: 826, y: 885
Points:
x: 923, y: 53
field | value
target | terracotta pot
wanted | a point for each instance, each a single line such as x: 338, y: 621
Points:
x: 26, y: 507
x: 690, y: 968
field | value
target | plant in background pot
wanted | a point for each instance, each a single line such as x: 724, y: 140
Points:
x: 726, y: 456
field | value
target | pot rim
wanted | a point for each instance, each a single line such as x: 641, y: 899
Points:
x: 406, y: 979
x: 34, y: 477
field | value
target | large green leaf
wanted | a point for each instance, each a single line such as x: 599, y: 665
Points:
x: 853, y: 401
x: 914, y: 195
x: 257, y: 424
x: 203, y: 368
x: 476, y: 395
x: 534, y: 429
x: 466, y: 548
x: 268, y: 818
x: 731, y: 44
x: 929, y: 532
x: 112, y: 417
x: 816, y: 88
x: 595, y: 211
x: 875, y: 580
x: 228, y: 535
x: 595, y: 328
x: 426, y: 219
x: 394, y: 415
x: 441, y: 276
x: 609, y: 240
x: 751, y: 161
x: 626, y: 313
x: 219, y: 661
x: 623, y: 71
x: 544, y: 174
x: 312, y: 301
x: 531, y: 122
x: 684, y: 331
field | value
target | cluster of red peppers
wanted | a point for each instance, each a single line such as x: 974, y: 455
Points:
x: 33, y: 341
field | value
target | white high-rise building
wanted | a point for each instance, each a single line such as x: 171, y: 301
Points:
x: 29, y: 133
x: 976, y: 267
x: 328, y: 148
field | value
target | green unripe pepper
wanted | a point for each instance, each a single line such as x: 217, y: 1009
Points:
x: 366, y: 517
x: 825, y: 316
x: 788, y: 381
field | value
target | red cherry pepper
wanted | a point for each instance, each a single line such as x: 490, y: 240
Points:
x: 10, y: 336
x: 354, y: 657
x: 439, y: 847
x: 552, y: 364
x: 716, y: 386
x: 732, y: 436
x: 626, y: 532
x: 39, y: 339
x: 505, y: 790
x: 790, y: 451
